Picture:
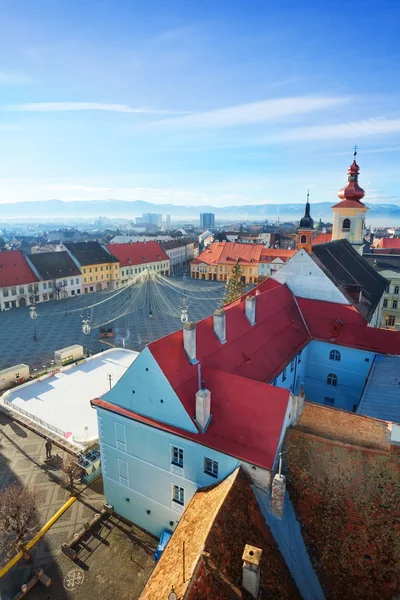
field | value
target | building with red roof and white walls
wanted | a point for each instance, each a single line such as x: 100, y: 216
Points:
x: 17, y: 280
x: 221, y: 393
x: 138, y: 257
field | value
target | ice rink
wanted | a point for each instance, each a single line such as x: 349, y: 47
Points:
x: 61, y: 402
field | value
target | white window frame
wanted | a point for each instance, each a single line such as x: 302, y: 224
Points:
x: 179, y: 451
x: 213, y: 471
x: 176, y: 498
x: 332, y: 379
x: 335, y: 355
x: 329, y: 401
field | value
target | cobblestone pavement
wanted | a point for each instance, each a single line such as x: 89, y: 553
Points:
x: 128, y: 310
x: 116, y: 555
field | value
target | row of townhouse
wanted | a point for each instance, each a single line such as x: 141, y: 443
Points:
x: 256, y: 261
x: 80, y: 268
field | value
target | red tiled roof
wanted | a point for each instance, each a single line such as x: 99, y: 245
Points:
x: 389, y: 243
x: 349, y: 204
x: 353, y: 332
x: 322, y: 238
x: 247, y: 417
x: 270, y: 254
x: 229, y: 253
x: 138, y: 253
x: 14, y: 269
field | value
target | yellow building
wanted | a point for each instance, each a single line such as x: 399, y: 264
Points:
x: 99, y: 268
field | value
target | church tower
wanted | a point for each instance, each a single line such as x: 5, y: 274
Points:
x: 305, y: 230
x: 349, y: 214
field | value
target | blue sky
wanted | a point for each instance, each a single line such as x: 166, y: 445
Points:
x: 198, y: 101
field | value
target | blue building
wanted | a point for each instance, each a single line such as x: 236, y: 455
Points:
x: 202, y: 401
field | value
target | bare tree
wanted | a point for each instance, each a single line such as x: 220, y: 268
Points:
x: 18, y: 517
x: 71, y: 471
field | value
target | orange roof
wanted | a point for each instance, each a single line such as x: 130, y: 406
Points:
x: 321, y: 238
x: 137, y: 253
x: 389, y: 243
x: 270, y: 254
x: 350, y: 204
x: 229, y: 253
x: 14, y: 269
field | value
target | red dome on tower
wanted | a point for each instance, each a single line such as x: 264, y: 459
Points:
x: 352, y: 192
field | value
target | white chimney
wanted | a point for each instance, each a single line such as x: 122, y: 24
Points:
x: 251, y: 570
x: 203, y: 408
x: 189, y: 341
x: 250, y: 309
x: 219, y: 320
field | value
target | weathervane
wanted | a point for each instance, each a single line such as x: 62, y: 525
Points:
x: 355, y: 152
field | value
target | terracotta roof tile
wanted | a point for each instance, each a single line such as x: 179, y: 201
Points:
x: 14, y: 270
x: 215, y: 527
x: 138, y: 253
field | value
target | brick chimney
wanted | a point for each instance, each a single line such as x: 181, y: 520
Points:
x: 251, y: 570
x: 250, y: 309
x: 219, y: 321
x: 189, y: 341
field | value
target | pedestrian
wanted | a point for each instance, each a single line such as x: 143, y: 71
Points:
x: 48, y: 448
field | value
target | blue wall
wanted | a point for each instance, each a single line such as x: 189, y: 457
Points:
x: 150, y: 477
x: 144, y: 389
x: 352, y: 371
x: 295, y: 373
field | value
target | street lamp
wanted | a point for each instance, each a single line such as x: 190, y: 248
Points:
x: 33, y: 315
x: 109, y: 377
x: 86, y: 331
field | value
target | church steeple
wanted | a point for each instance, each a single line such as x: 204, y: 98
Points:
x: 349, y: 214
x: 305, y: 229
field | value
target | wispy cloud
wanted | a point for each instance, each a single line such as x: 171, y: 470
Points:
x: 254, y: 112
x: 77, y: 106
x: 13, y: 77
x: 353, y: 130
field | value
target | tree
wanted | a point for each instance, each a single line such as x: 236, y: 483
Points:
x: 234, y: 286
x: 18, y: 517
x: 71, y: 471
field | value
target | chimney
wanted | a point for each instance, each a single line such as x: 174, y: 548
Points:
x: 278, y: 491
x: 203, y: 408
x: 219, y: 320
x: 250, y: 309
x: 251, y: 570
x: 189, y: 341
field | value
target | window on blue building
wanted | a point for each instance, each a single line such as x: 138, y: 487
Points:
x: 211, y: 467
x: 329, y: 401
x: 332, y: 379
x: 122, y: 471
x: 120, y: 437
x: 292, y: 363
x: 284, y: 374
x: 335, y: 355
x: 178, y: 495
x: 177, y: 456
x: 299, y: 358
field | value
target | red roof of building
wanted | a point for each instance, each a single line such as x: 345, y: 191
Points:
x: 138, y: 253
x: 322, y: 238
x: 353, y: 330
x: 14, y: 269
x: 270, y: 254
x: 229, y: 253
x: 389, y: 243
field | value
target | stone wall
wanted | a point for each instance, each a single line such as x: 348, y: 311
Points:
x: 345, y: 427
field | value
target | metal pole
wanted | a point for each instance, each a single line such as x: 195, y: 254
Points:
x: 34, y: 331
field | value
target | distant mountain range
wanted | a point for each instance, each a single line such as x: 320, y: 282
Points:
x: 388, y: 214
